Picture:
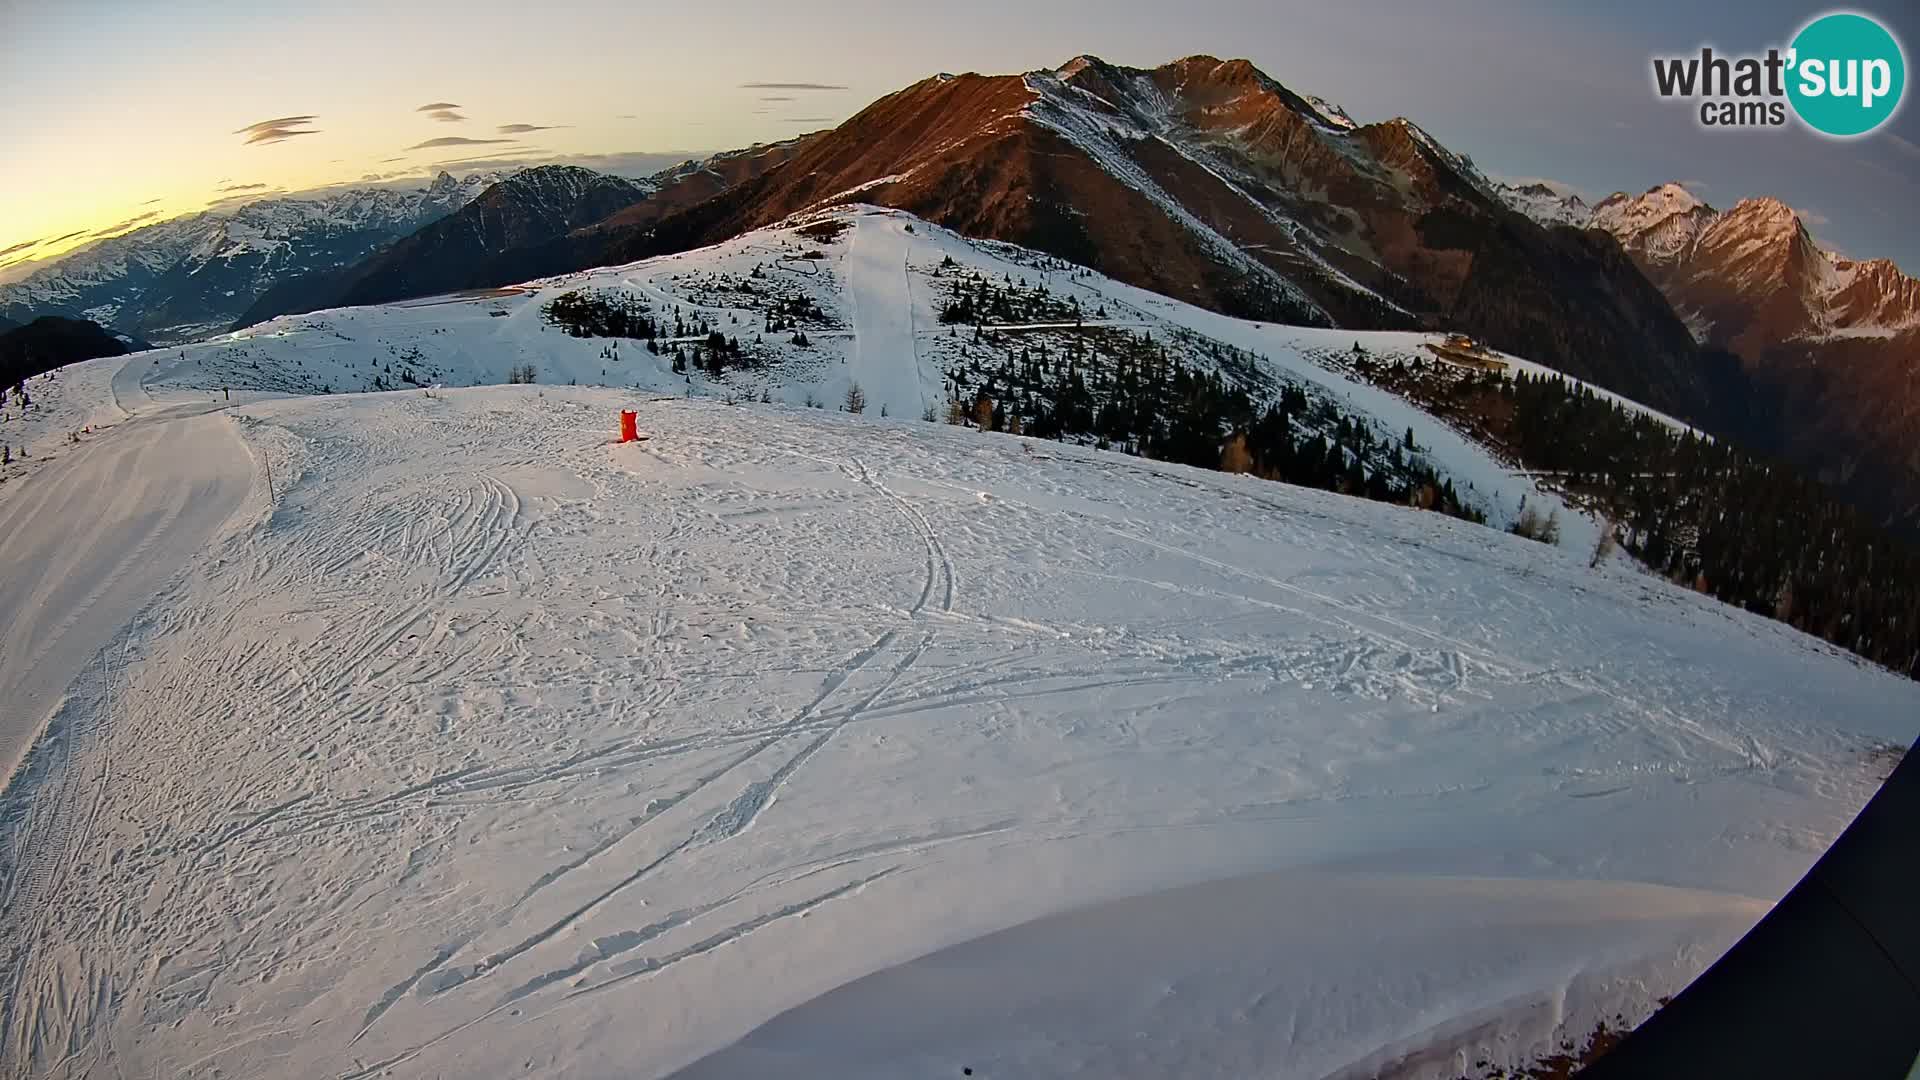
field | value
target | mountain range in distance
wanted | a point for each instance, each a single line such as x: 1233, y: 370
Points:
x: 1829, y: 346
x: 486, y: 242
x: 200, y: 274
x: 191, y: 276
x: 1204, y: 180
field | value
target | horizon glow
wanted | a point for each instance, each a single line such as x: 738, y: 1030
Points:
x: 122, y: 114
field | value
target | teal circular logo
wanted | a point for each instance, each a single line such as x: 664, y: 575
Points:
x: 1847, y: 75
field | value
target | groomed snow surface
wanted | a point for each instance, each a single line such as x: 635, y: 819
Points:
x: 795, y: 743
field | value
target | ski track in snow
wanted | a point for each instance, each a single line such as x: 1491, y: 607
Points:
x: 485, y: 744
x: 885, y: 360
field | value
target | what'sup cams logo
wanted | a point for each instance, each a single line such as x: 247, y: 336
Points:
x: 1844, y: 74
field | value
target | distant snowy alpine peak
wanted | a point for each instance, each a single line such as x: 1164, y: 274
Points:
x: 1672, y: 197
x: 262, y: 222
x: 1757, y: 254
x: 1620, y: 210
x: 1765, y: 212
x: 552, y: 189
x: 1335, y: 116
x: 1662, y: 224
x: 569, y: 179
x: 1546, y: 203
x: 272, y: 224
x: 369, y: 206
x: 175, y: 279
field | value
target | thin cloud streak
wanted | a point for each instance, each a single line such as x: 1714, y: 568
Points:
x: 454, y: 140
x: 245, y: 197
x: 279, y: 129
x: 278, y: 122
x: 123, y: 226
x: 521, y: 129
x: 790, y: 86
x: 1558, y: 187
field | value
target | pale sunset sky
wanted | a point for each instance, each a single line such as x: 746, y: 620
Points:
x: 115, y: 113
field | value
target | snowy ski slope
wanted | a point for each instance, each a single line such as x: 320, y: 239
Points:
x: 801, y: 743
x: 879, y: 289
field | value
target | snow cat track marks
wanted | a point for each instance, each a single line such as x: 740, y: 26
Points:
x: 728, y: 936
x: 366, y: 1071
x: 495, y: 961
x: 607, y: 946
x: 742, y: 813
x: 399, y: 990
x: 788, y: 875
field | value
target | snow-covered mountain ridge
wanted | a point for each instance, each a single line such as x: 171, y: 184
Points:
x: 1825, y: 347
x: 869, y: 297
x: 185, y: 277
x: 1749, y: 277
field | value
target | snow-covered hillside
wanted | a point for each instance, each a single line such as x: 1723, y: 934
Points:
x: 793, y: 742
x: 488, y: 739
x: 874, y: 293
x: 1546, y: 203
